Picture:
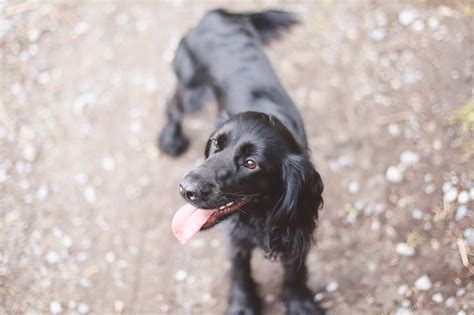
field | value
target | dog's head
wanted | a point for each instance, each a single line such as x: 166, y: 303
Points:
x: 254, y: 167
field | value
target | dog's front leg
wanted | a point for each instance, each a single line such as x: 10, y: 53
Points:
x: 243, y: 299
x: 297, y: 297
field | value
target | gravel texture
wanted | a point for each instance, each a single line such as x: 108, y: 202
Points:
x: 86, y: 200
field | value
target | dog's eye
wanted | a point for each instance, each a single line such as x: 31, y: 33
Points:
x: 250, y: 164
x: 215, y: 143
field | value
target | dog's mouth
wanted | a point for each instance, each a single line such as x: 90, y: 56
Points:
x: 189, y: 220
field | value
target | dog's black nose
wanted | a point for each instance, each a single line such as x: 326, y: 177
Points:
x: 189, y: 190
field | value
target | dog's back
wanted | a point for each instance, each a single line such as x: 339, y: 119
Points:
x: 224, y: 53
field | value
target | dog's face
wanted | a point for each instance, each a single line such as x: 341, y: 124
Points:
x: 251, y: 159
x: 243, y: 159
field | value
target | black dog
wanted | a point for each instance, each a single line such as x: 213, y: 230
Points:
x: 257, y: 172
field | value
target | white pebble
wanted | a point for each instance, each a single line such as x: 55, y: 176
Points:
x: 463, y: 197
x: 81, y: 28
x: 394, y: 129
x: 447, y: 186
x: 402, y: 289
x: 377, y: 34
x: 83, y: 308
x: 108, y: 163
x: 438, y: 298
x: 404, y: 249
x: 85, y: 282
x: 332, y: 286
x: 3, y: 173
x: 42, y: 192
x: 469, y: 236
x: 44, y: 77
x: 55, y: 307
x: 33, y: 34
x: 451, y: 195
x: 450, y: 301
x: 52, y: 257
x: 353, y: 187
x: 29, y: 153
x: 461, y: 213
x: 433, y: 22
x: 409, y: 158
x: 89, y: 194
x: 461, y: 312
x: 461, y: 292
x: 403, y: 311
x: 406, y: 17
x: 471, y: 193
x: 416, y: 214
x: 180, y: 275
x: 119, y: 306
x: 394, y: 174
x: 418, y: 26
x: 423, y: 283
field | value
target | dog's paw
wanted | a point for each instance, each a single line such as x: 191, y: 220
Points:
x: 243, y: 302
x: 172, y: 141
x: 301, y: 304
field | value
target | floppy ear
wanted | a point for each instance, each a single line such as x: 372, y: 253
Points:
x: 294, y: 218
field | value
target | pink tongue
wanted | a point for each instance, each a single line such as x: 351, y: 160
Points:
x: 187, y: 221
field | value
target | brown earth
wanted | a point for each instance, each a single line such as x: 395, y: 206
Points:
x: 86, y: 200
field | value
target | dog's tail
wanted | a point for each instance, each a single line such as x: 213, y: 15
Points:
x: 270, y: 24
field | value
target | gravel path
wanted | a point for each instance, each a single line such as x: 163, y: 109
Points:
x: 86, y: 200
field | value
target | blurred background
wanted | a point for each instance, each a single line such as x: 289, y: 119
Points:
x: 86, y: 199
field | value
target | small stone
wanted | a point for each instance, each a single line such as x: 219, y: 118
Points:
x: 52, y: 257
x: 402, y: 289
x: 447, y: 186
x: 460, y: 292
x: 42, y: 192
x: 450, y: 301
x: 318, y: 297
x: 89, y: 194
x: 451, y: 195
x: 332, y: 286
x: 85, y: 282
x: 471, y: 193
x: 461, y: 312
x: 377, y: 34
x: 81, y: 28
x: 403, y: 311
x: 394, y: 129
x: 394, y: 174
x: 180, y: 275
x: 29, y: 152
x: 463, y: 197
x: 404, y: 249
x: 33, y: 34
x: 416, y: 214
x: 423, y: 283
x: 55, y: 307
x: 406, y: 17
x: 110, y: 257
x: 469, y: 236
x: 433, y: 22
x: 108, y: 163
x: 438, y: 298
x: 409, y: 158
x: 461, y: 213
x: 119, y: 306
x: 353, y: 187
x: 83, y: 308
x: 418, y: 26
x: 44, y: 77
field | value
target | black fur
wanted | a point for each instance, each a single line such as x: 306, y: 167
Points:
x: 223, y: 57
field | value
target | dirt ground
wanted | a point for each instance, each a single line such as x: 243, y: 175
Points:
x: 86, y: 200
